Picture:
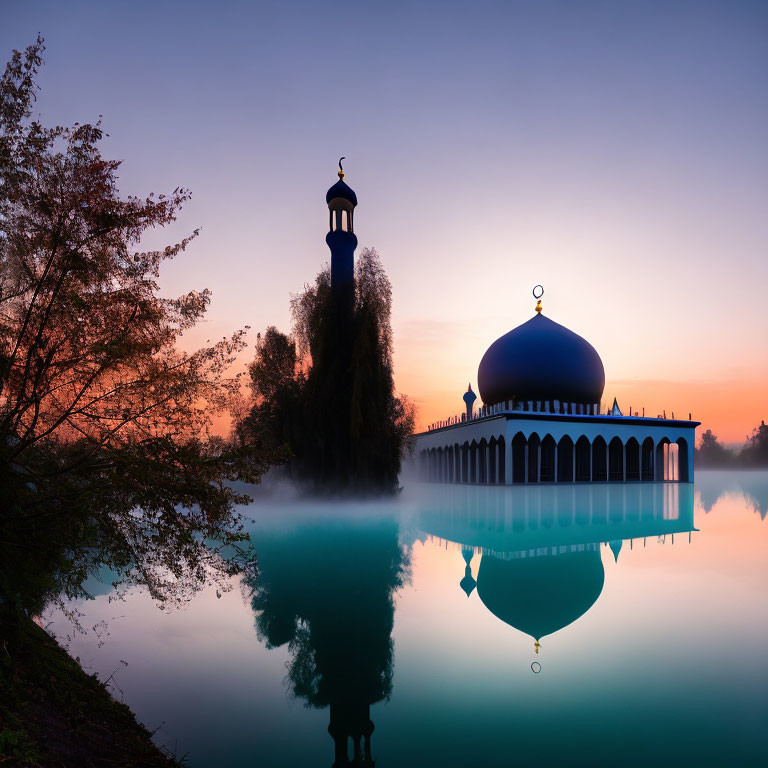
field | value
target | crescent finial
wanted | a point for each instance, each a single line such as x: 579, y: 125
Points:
x: 538, y: 292
x: 341, y: 170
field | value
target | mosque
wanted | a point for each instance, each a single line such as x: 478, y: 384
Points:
x: 541, y: 420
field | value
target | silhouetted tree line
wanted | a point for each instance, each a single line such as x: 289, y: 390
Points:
x: 712, y: 453
x: 106, y: 454
x: 327, y: 392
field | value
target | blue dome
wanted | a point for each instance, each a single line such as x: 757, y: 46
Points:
x: 343, y: 190
x: 541, y: 595
x: 541, y: 360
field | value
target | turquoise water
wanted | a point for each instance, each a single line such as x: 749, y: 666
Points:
x: 421, y: 617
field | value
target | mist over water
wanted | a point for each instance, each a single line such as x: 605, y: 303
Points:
x: 419, y: 616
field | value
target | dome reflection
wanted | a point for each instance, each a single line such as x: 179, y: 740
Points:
x: 541, y: 568
x: 540, y: 595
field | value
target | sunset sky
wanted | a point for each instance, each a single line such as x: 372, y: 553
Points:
x: 614, y: 152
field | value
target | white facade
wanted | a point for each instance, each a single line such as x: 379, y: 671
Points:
x: 509, y: 447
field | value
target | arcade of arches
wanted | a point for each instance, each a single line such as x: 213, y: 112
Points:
x: 542, y: 460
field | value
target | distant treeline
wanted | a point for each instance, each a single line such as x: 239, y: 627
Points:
x: 754, y: 453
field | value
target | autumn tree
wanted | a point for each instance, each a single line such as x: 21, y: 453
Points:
x: 106, y: 452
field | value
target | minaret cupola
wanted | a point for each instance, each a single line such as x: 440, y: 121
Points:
x: 469, y: 400
x: 341, y: 239
x: 341, y: 199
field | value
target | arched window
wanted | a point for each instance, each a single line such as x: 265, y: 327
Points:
x: 599, y: 459
x: 492, y: 461
x: 672, y: 466
x: 661, y: 458
x: 456, y: 463
x: 668, y: 459
x: 473, y: 462
x: 583, y: 460
x: 565, y: 460
x: 534, y: 450
x: 548, y: 454
x: 518, y: 458
x: 482, y: 476
x: 465, y: 463
x: 683, y: 470
x: 633, y: 460
x: 615, y: 460
x: 646, y: 459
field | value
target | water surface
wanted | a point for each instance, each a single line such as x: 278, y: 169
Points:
x: 421, y: 618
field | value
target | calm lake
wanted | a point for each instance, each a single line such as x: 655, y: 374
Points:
x: 420, y: 617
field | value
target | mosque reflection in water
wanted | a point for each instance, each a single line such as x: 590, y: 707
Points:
x: 326, y: 590
x: 540, y: 562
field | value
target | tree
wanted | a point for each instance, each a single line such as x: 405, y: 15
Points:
x: 333, y: 404
x: 100, y: 414
x: 711, y: 453
x: 277, y: 383
x: 755, y: 451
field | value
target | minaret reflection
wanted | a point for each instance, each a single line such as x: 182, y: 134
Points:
x: 327, y: 592
x: 468, y: 583
x: 541, y: 568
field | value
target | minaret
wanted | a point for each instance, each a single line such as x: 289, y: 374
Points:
x: 341, y: 239
x: 469, y: 400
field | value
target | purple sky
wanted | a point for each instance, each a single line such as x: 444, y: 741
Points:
x: 613, y: 151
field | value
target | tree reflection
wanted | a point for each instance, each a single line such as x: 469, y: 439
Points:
x: 751, y: 485
x: 327, y: 592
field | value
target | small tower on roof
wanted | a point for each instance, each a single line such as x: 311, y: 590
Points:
x: 341, y: 239
x: 469, y: 400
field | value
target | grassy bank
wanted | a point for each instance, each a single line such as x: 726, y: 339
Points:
x: 53, y: 714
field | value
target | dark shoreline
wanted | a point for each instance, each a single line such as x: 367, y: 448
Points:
x: 54, y: 714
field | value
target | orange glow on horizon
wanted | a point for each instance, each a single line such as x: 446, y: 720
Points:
x: 731, y: 409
